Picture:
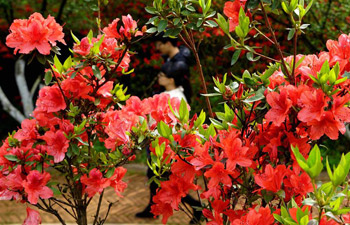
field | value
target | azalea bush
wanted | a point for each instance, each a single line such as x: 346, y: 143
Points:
x: 80, y: 131
x: 254, y: 162
x: 258, y: 160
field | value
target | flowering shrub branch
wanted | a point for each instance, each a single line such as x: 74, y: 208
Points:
x: 254, y: 157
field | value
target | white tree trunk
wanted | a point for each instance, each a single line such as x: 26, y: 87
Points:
x: 8, y: 107
x: 26, y: 96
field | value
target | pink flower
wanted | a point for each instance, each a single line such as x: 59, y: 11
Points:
x: 33, y: 217
x: 116, y: 180
x: 57, y: 145
x: 50, y: 100
x: 34, y: 33
x: 83, y: 48
x: 35, y: 187
x: 95, y: 183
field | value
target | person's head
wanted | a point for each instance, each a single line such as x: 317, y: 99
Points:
x: 176, y: 74
x: 165, y: 81
x: 165, y: 45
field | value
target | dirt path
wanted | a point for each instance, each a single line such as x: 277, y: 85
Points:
x: 136, y: 197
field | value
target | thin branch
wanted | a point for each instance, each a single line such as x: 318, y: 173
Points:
x: 266, y: 57
x: 201, y: 75
x: 294, y: 55
x: 275, y: 39
x: 98, y: 207
x: 43, y: 7
x: 64, y: 208
x: 35, y: 86
x: 60, y: 12
x: 108, y: 210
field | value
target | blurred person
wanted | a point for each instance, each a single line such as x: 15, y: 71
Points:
x: 174, y: 78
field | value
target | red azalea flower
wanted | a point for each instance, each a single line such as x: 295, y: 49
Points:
x: 173, y: 190
x: 83, y: 48
x: 33, y: 217
x: 57, y: 144
x: 161, y: 208
x: 50, y: 100
x: 261, y: 217
x: 116, y: 181
x: 271, y: 179
x: 95, y: 183
x: 111, y: 31
x: 280, y: 105
x: 236, y: 153
x: 34, y: 33
x: 339, y: 110
x: 28, y: 130
x: 327, y: 125
x: 313, y: 104
x: 231, y: 10
x: 34, y: 186
x: 218, y: 174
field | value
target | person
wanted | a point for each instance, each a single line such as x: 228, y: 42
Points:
x: 174, y: 78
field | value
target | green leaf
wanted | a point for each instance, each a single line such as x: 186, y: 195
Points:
x: 224, y: 25
x: 162, y: 25
x: 57, y: 64
x: 67, y: 64
x: 151, y: 30
x: 300, y: 159
x: 110, y: 172
x: 97, y: 72
x: 81, y: 141
x: 183, y: 111
x: 163, y: 129
x: 235, y: 56
x: 41, y: 58
x: 211, y: 23
x: 48, y: 77
x: 90, y: 36
x: 151, y: 10
x: 55, y: 191
x: 75, y: 38
x: 12, y: 158
x: 200, y: 120
x: 251, y: 58
x: 259, y: 95
x: 291, y: 34
x: 314, y: 162
x: 285, y: 8
x: 176, y: 21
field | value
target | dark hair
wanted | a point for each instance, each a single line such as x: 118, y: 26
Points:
x: 180, y: 72
x: 159, y: 37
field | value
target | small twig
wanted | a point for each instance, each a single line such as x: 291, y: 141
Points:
x: 183, y: 210
x: 107, y: 213
x: 35, y: 86
x: 98, y: 207
x: 294, y: 56
x: 65, y: 209
x: 275, y: 39
x: 266, y: 57
x: 60, y: 12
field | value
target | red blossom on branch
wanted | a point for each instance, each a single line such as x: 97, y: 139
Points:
x: 35, y: 33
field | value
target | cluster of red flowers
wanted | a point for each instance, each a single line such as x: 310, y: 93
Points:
x: 78, y: 95
x: 34, y: 33
x: 299, y: 113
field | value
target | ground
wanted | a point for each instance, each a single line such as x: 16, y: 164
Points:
x: 136, y: 197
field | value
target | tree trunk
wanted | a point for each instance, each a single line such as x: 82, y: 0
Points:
x: 82, y: 217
